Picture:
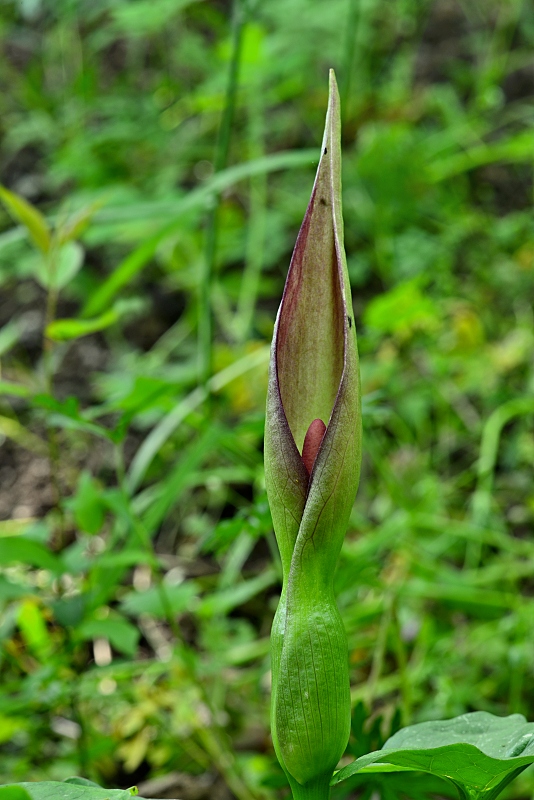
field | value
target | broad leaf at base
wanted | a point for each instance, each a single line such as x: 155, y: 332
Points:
x: 53, y: 790
x: 479, y: 753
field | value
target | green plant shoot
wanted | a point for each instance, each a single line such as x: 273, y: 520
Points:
x: 312, y: 466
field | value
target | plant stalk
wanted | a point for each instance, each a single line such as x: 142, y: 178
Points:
x: 257, y: 219
x: 318, y: 789
x: 51, y: 434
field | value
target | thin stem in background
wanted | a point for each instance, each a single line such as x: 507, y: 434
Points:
x: 257, y: 219
x: 349, y: 55
x: 52, y: 297
x: 205, y: 332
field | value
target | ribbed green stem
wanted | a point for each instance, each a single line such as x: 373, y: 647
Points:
x: 318, y: 789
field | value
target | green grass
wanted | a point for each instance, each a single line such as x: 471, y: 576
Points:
x: 136, y: 525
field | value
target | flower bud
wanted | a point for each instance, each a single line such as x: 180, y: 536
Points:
x: 312, y: 464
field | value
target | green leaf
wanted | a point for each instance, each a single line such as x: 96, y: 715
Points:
x: 122, y: 635
x: 69, y: 611
x: 15, y: 527
x: 66, y: 414
x: 12, y: 429
x: 126, y: 270
x: 59, y: 266
x: 9, y: 335
x: 87, y: 505
x: 13, y: 793
x: 52, y: 790
x: 178, y: 598
x: 82, y: 782
x: 61, y: 330
x: 29, y: 216
x: 78, y: 222
x: 33, y: 630
x: 25, y: 551
x: 224, y: 601
x: 514, y: 149
x: 143, y: 393
x: 14, y: 389
x: 146, y: 17
x: 69, y: 263
x: 479, y: 753
x: 402, y: 310
x: 10, y: 591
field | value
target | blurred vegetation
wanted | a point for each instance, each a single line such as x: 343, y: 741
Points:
x: 157, y: 158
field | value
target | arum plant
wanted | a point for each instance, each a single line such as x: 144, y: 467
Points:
x: 312, y: 466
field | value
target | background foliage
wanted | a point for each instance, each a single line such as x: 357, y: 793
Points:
x: 138, y: 571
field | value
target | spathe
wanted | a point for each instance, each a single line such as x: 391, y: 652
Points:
x: 314, y: 375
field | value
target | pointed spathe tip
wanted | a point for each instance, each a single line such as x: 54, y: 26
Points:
x: 332, y: 131
x: 333, y: 91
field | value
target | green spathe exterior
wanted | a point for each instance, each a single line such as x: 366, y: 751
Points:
x: 313, y: 375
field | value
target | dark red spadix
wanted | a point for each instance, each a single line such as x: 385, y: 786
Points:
x: 312, y: 443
